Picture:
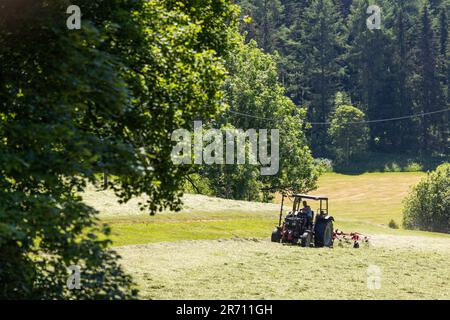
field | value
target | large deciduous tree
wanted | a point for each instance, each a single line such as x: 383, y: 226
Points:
x: 74, y: 103
x: 253, y: 91
x: 348, y: 132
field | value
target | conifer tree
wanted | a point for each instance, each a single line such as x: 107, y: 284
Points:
x: 322, y: 48
x: 428, y: 90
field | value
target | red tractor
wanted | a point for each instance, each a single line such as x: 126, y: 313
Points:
x: 303, y: 226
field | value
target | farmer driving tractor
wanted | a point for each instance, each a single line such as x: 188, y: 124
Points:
x: 307, y: 209
x: 300, y: 225
x: 308, y: 212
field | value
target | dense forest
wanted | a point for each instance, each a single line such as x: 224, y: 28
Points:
x: 346, y: 97
x: 327, y: 56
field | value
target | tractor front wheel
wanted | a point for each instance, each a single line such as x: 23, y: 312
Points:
x: 323, y: 233
x: 306, y: 240
x: 276, y: 235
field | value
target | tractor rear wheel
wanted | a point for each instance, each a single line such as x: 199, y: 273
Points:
x: 276, y: 235
x: 323, y: 233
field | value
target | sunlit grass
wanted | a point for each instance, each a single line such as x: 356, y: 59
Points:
x: 363, y: 203
x: 148, y: 230
x: 370, y: 197
x: 251, y: 269
x: 220, y: 249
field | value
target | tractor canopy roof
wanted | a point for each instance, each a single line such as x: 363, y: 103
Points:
x: 305, y: 196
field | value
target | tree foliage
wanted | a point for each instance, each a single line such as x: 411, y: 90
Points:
x: 349, y: 136
x: 74, y: 103
x: 398, y: 70
x: 428, y: 205
x: 253, y: 89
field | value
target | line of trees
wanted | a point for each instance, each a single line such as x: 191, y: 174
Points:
x: 401, y: 69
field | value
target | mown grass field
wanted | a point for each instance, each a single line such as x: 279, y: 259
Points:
x: 372, y: 197
x: 259, y: 269
x: 232, y: 258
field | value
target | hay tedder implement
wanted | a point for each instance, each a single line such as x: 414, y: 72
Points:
x: 354, y: 237
x: 302, y: 226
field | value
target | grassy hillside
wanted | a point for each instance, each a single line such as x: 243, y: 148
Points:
x: 371, y: 197
x: 232, y: 257
x: 362, y: 203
